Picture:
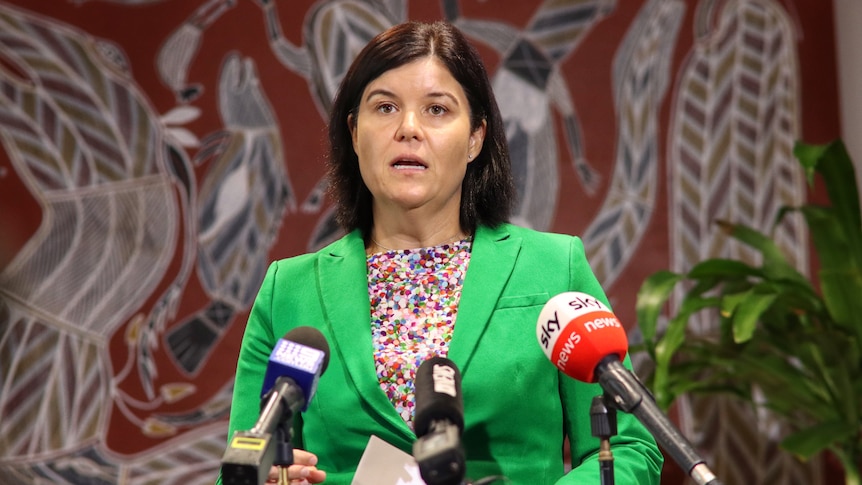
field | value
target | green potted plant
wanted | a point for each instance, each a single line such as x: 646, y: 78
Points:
x: 786, y: 344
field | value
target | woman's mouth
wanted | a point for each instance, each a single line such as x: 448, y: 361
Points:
x: 409, y: 164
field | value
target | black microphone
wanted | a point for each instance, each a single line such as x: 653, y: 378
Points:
x: 295, y: 365
x: 439, y: 421
x: 587, y: 342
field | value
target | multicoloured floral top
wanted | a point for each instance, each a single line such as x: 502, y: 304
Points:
x: 414, y: 301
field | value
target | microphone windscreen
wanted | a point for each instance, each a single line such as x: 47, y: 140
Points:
x: 302, y: 355
x: 310, y: 337
x: 577, y: 331
x: 438, y: 395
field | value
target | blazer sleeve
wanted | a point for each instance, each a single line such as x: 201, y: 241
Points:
x: 637, y: 458
x: 257, y: 343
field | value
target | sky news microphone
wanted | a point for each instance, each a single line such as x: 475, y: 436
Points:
x: 295, y: 365
x: 586, y: 341
x: 439, y: 421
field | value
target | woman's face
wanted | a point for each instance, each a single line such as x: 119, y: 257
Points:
x: 412, y: 137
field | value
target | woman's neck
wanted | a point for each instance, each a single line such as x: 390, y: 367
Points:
x: 408, y: 231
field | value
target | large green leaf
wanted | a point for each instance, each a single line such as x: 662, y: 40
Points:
x: 775, y: 264
x: 833, y: 163
x: 843, y: 295
x: 798, y: 297
x: 840, y: 272
x: 831, y: 239
x: 785, y: 343
x: 726, y: 268
x: 748, y: 312
x: 810, y: 441
x: 809, y: 156
x: 651, y: 298
x: 673, y: 337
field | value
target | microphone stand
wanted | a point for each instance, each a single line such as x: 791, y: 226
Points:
x: 283, y: 450
x: 277, y: 417
x: 603, y: 422
x: 251, y: 454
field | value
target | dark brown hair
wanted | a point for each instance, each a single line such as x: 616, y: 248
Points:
x: 487, y: 191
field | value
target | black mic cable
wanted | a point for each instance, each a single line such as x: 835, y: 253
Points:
x: 603, y: 421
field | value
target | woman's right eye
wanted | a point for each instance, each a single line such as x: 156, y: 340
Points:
x: 386, y: 108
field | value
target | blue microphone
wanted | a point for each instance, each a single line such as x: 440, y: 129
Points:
x: 301, y: 356
x: 295, y: 365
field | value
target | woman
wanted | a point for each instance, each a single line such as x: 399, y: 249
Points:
x: 419, y: 169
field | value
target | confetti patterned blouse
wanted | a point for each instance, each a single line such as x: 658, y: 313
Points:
x: 414, y: 301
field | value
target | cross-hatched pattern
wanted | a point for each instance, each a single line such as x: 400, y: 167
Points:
x: 93, y: 155
x: 733, y: 125
x: 559, y: 25
x: 73, y: 122
x: 733, y: 439
x: 52, y: 389
x: 732, y: 131
x: 334, y: 33
x: 99, y: 255
x: 641, y: 75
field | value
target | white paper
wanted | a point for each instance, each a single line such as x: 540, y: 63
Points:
x: 384, y: 464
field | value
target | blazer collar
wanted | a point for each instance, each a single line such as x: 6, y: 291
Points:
x: 343, y: 284
x: 344, y: 291
x: 491, y: 262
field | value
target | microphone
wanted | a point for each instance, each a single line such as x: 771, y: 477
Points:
x: 586, y: 341
x: 295, y: 365
x: 302, y: 355
x: 439, y: 421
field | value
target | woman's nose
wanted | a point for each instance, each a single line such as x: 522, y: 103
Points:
x: 409, y: 127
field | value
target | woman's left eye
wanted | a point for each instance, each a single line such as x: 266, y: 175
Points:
x: 437, y: 110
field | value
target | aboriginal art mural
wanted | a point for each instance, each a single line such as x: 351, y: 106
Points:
x: 156, y: 155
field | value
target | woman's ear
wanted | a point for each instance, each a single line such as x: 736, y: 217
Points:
x: 351, y: 125
x: 477, y: 139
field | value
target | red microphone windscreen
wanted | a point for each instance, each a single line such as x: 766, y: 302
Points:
x: 577, y: 331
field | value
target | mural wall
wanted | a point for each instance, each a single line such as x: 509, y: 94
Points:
x: 156, y: 156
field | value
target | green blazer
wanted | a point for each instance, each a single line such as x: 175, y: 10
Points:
x: 517, y: 407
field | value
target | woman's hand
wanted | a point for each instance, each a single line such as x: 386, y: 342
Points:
x: 302, y: 472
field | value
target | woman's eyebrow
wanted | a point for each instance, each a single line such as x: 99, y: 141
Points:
x: 431, y: 95
x: 380, y: 92
x: 443, y: 94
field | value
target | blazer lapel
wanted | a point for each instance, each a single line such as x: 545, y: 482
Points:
x: 491, y: 262
x: 344, y: 288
